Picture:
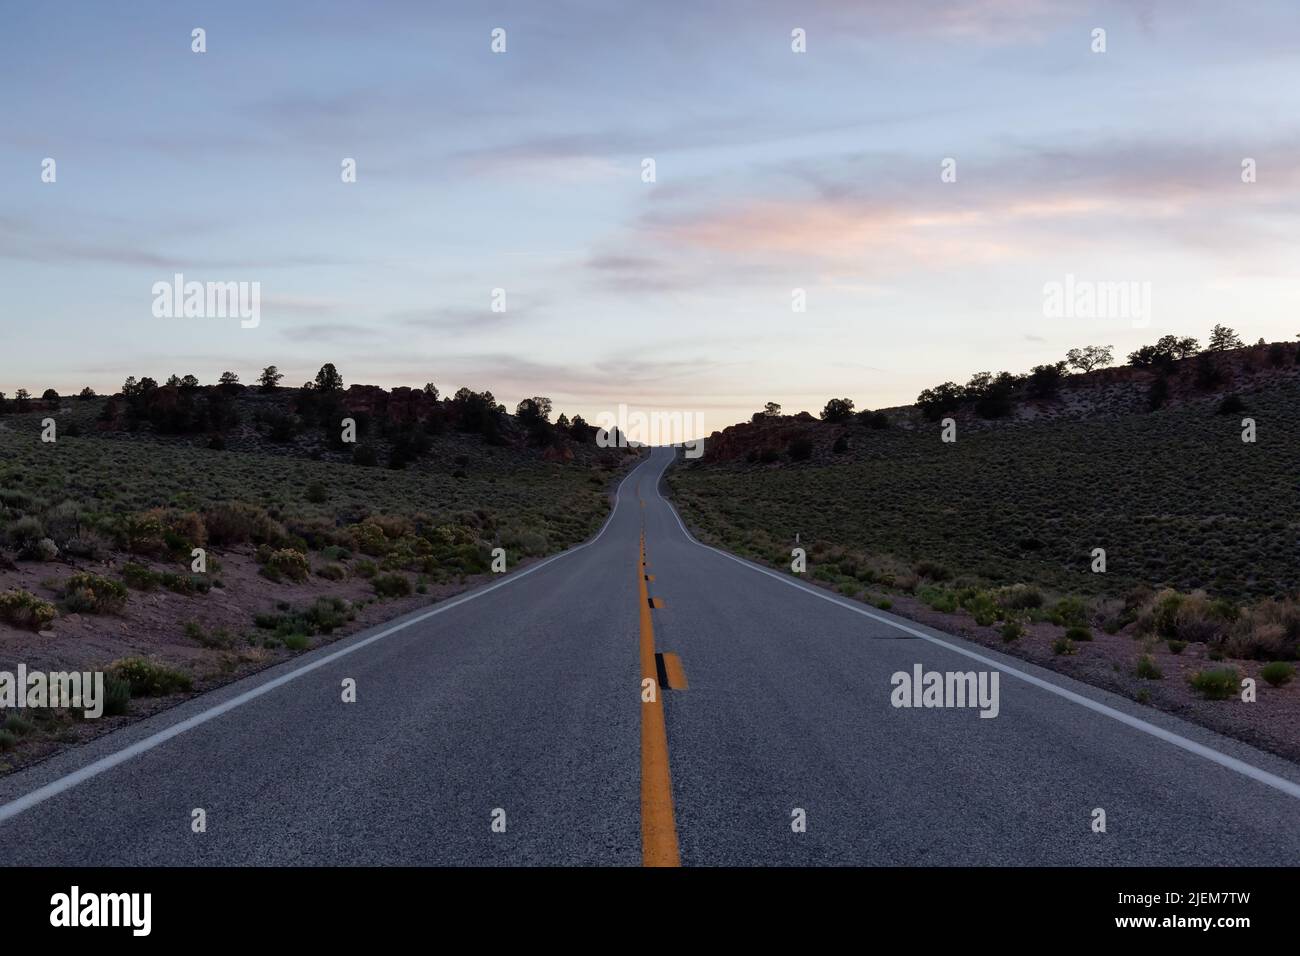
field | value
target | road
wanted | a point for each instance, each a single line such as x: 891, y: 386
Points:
x: 522, y: 703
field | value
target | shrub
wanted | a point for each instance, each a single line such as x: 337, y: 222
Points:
x: 316, y: 493
x: 1019, y: 597
x: 143, y: 532
x: 369, y: 538
x: 392, y: 585
x: 933, y: 570
x: 117, y: 695
x: 939, y: 599
x: 332, y: 571
x: 90, y: 592
x: 234, y: 522
x: 18, y: 724
x: 1185, y: 617
x: 365, y: 568
x: 1077, y: 632
x: 24, y: 609
x: 1068, y: 612
x: 287, y: 563
x: 44, y: 550
x: 147, y: 678
x: 1218, y: 684
x: 325, y: 615
x: 1269, y: 630
x: 1063, y: 646
x: 981, y: 606
x: 1277, y: 673
x: 1147, y: 668
x: 1012, y: 631
x: 1177, y: 647
x: 25, y: 532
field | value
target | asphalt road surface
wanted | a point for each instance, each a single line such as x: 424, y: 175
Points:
x: 523, y: 704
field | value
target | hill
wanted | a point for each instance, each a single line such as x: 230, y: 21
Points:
x: 304, y: 536
x: 994, y: 534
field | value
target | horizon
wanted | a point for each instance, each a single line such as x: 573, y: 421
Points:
x: 775, y: 171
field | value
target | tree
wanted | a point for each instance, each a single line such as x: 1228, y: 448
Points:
x: 22, y: 397
x: 837, y: 410
x: 1090, y: 357
x: 580, y: 431
x: 190, y: 382
x: 328, y: 379
x: 771, y: 410
x: 86, y: 393
x: 174, y: 380
x: 269, y: 378
x: 995, y: 400
x: 562, y: 422
x: 1223, y: 338
x: 228, y: 379
x: 431, y: 390
x: 933, y: 402
x: 533, y: 410
x: 130, y: 386
x: 1162, y: 355
x: 1045, y: 380
x: 49, y: 395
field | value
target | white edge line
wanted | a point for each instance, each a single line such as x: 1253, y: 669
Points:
x: 94, y: 769
x: 1209, y: 753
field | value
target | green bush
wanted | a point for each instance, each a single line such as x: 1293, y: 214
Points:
x: 323, y: 616
x: 1019, y: 597
x: 139, y: 576
x: 1176, y: 647
x: 147, y: 678
x: 391, y: 585
x: 332, y: 571
x: 938, y: 598
x: 24, y: 609
x: 1076, y: 632
x: 1218, y: 684
x: 117, y: 695
x: 1277, y: 673
x: 287, y: 563
x: 981, y: 606
x: 1147, y: 668
x: 1063, y: 646
x: 234, y: 522
x: 1012, y: 631
x: 933, y: 570
x: 1069, y: 612
x: 90, y: 593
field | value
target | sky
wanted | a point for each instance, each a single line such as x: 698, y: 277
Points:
x: 524, y: 170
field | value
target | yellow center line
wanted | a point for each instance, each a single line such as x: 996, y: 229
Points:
x: 658, y: 828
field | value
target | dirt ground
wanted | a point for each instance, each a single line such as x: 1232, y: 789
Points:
x: 153, y: 626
